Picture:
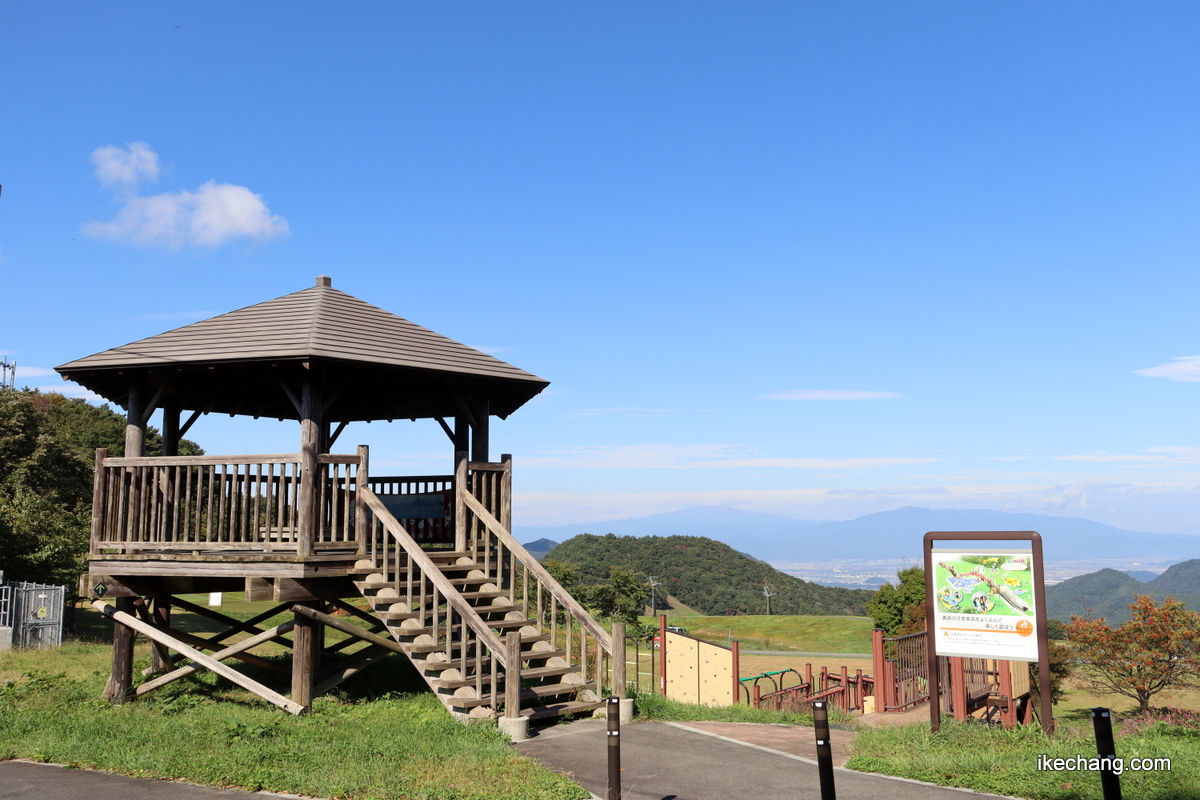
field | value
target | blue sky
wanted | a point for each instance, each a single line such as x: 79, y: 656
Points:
x: 815, y: 259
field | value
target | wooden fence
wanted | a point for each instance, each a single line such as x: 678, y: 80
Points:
x: 791, y: 691
x: 197, y: 503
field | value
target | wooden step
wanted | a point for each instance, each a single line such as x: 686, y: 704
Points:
x: 526, y: 674
x: 528, y: 655
x: 433, y: 648
x: 483, y: 595
x: 531, y: 693
x: 560, y: 709
x: 494, y: 624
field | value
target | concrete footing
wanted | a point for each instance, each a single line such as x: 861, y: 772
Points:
x: 517, y: 728
x: 5, y: 638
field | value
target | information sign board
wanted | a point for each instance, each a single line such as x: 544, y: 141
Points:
x: 985, y: 603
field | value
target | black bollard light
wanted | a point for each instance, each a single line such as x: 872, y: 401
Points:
x: 824, y: 749
x: 1106, y: 748
x: 614, y: 749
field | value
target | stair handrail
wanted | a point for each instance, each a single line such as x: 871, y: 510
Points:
x: 440, y: 581
x: 533, y: 565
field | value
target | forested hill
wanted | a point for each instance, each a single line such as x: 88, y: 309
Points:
x: 706, y: 575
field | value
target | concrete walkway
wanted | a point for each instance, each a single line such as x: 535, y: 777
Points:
x: 699, y: 761
x: 27, y: 780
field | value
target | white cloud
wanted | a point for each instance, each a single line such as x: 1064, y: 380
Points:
x: 665, y: 456
x: 125, y: 167
x: 73, y: 390
x: 629, y: 411
x: 1164, y: 456
x: 490, y: 350
x: 828, y: 394
x: 34, y: 372
x: 210, y: 216
x: 1183, y: 368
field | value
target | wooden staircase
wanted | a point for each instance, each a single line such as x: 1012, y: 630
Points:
x: 472, y: 618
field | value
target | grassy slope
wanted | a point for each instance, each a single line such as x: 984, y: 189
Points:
x: 797, y: 633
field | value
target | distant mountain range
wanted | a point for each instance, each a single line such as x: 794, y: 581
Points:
x: 893, y: 535
x: 1108, y: 592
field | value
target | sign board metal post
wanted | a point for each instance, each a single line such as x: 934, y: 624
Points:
x: 1038, y: 589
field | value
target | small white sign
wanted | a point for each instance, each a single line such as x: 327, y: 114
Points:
x: 214, y: 599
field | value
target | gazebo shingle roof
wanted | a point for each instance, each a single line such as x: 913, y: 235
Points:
x: 235, y: 362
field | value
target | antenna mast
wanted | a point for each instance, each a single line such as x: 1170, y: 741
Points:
x: 8, y: 374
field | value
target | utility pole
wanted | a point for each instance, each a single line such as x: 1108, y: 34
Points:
x: 768, y: 593
x: 654, y: 584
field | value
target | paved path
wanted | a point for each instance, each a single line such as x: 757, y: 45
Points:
x: 676, y: 761
x: 26, y: 780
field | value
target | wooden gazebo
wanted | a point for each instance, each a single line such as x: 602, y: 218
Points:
x: 445, y: 582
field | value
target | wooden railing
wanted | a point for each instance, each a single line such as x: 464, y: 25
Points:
x: 198, y: 503
x: 483, y: 516
x: 411, y: 577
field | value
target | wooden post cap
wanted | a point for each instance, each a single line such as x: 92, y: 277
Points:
x: 324, y: 280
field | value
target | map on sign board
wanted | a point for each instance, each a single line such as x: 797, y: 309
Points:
x: 984, y: 603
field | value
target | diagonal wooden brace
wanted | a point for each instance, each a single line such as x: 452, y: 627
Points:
x: 220, y: 655
x: 132, y: 622
x: 346, y: 627
x: 350, y: 667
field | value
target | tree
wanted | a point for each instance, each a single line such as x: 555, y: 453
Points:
x: 900, y: 609
x: 47, y: 451
x: 620, y: 597
x: 1159, y: 648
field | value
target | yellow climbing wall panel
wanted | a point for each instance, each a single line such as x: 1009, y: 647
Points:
x: 698, y: 672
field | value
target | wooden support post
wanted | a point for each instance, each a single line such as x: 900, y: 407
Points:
x: 304, y: 656
x: 1008, y: 708
x: 310, y: 440
x: 460, y: 509
x: 120, y: 682
x: 170, y: 427
x: 98, y: 490
x: 877, y: 668
x: 479, y: 431
x: 512, y: 675
x: 618, y: 660
x: 135, y: 421
x: 160, y: 614
x: 958, y: 687
x: 737, y: 674
x: 462, y: 436
x: 362, y: 479
x: 662, y: 655
x: 506, y: 492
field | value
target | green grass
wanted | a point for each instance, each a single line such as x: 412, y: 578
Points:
x: 373, y: 739
x: 1004, y: 762
x: 655, y: 707
x: 783, y: 633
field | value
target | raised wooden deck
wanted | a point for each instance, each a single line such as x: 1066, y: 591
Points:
x: 432, y: 556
